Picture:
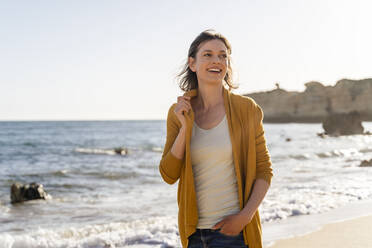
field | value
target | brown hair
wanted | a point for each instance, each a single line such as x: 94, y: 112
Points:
x: 188, y: 79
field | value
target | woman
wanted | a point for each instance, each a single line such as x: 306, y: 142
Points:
x: 215, y: 146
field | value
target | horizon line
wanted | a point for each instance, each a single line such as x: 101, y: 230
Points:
x: 50, y: 120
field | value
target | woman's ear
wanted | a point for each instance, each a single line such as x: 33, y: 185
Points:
x: 191, y: 62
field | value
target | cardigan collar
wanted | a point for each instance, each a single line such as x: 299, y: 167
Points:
x: 194, y: 92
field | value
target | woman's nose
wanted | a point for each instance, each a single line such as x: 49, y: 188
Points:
x: 216, y: 59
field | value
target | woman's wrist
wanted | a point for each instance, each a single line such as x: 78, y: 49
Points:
x: 246, y: 214
x: 183, y: 129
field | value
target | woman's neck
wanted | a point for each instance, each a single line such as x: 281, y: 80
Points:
x: 209, y: 96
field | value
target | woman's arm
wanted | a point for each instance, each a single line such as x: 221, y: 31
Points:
x: 263, y: 161
x: 263, y: 169
x: 174, y: 149
x: 259, y: 190
x: 178, y: 148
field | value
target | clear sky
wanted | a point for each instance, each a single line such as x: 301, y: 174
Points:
x: 99, y: 60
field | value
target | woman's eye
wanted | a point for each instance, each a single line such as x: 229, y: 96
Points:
x: 207, y: 54
x: 224, y: 56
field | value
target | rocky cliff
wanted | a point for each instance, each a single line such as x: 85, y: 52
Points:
x: 317, y: 101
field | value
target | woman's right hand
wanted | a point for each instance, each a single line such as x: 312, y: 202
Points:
x: 183, y: 105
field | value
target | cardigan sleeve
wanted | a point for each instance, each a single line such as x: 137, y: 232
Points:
x: 170, y: 166
x: 263, y: 161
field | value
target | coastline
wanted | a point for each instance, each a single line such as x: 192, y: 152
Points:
x: 350, y: 233
x: 346, y: 226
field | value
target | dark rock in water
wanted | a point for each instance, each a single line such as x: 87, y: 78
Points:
x: 366, y: 163
x: 343, y: 124
x: 121, y: 151
x: 25, y: 192
x: 322, y: 135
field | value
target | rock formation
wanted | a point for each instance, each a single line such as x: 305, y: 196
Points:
x: 366, y: 163
x: 317, y: 101
x: 25, y: 192
x: 343, y: 124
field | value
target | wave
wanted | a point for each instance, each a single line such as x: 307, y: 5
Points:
x: 352, y: 154
x: 114, y: 151
x: 155, y: 231
x: 366, y: 150
x: 4, y: 210
x: 58, y: 173
x: 113, y: 175
x: 70, y: 186
x: 157, y: 149
x: 124, y: 151
x: 290, y: 209
x: 338, y: 153
x: 40, y: 175
x: 29, y: 144
x: 300, y: 156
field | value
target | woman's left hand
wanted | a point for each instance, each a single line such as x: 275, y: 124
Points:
x: 231, y: 225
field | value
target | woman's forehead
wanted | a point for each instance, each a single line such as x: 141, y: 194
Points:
x: 213, y: 45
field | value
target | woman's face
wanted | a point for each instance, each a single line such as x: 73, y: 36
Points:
x: 211, y: 61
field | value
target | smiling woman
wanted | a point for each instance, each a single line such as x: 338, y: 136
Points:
x: 216, y: 147
x: 189, y: 78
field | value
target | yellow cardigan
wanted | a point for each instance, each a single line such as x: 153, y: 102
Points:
x: 250, y: 154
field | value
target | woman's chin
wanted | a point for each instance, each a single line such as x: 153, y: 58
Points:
x: 213, y: 81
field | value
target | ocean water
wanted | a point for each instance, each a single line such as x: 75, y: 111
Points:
x: 102, y: 199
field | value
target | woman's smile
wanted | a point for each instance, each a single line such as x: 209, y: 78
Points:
x: 211, y: 61
x: 214, y: 70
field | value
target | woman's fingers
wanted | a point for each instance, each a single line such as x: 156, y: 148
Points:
x: 184, y: 99
x: 182, y: 107
x: 183, y: 103
x: 186, y: 105
x: 218, y: 225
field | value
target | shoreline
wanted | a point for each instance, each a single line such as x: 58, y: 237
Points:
x: 309, y: 228
x: 348, y: 233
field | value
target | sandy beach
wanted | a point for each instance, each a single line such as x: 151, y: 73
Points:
x: 355, y: 233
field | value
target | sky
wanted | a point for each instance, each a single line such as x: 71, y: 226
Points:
x: 118, y: 60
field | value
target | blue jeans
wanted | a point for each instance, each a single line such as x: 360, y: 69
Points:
x: 208, y: 238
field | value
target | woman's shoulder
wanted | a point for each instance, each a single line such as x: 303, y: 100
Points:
x: 243, y: 101
x: 247, y: 106
x: 171, y: 110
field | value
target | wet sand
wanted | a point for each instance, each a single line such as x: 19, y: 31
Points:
x: 355, y: 233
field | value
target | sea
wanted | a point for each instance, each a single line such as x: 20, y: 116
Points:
x: 102, y: 199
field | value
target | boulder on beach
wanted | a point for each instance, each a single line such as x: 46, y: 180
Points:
x: 26, y: 192
x: 366, y: 163
x: 343, y: 124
